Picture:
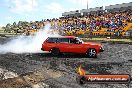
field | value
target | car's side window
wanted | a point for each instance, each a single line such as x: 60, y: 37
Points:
x: 63, y: 40
x: 72, y: 41
x: 52, y: 40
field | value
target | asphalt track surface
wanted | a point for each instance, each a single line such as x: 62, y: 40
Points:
x: 116, y: 59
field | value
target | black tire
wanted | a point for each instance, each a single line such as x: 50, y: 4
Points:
x: 92, y: 53
x: 55, y: 52
x: 81, y: 80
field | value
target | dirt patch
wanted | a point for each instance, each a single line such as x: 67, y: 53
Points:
x: 42, y: 69
x: 30, y: 79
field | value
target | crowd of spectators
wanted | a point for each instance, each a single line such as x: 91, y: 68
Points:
x: 113, y: 21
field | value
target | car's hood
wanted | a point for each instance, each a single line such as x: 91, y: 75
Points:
x: 92, y: 43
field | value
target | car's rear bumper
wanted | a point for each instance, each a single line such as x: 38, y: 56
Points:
x: 101, y: 49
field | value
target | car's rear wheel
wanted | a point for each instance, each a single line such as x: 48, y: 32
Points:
x: 55, y: 51
x: 92, y: 53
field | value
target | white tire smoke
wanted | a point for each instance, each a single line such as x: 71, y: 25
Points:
x: 28, y: 44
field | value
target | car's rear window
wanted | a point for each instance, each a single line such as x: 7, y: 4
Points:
x: 52, y: 40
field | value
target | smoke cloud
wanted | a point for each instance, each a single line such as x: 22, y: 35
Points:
x: 28, y: 44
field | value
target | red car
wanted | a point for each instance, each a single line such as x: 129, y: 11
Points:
x: 71, y: 44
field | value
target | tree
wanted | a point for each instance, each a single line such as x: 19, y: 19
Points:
x: 14, y: 24
x: 8, y: 28
x: 3, y: 28
x: 19, y: 23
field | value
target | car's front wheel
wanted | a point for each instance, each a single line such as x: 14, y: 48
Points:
x: 55, y: 51
x: 92, y: 53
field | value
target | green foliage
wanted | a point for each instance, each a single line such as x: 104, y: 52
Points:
x: 8, y: 28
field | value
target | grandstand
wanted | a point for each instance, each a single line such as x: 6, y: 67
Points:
x: 119, y: 7
x: 96, y: 10
x: 113, y: 20
x: 71, y: 13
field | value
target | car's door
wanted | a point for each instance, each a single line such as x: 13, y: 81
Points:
x: 75, y: 46
x: 63, y: 44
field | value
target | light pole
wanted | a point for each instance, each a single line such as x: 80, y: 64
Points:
x: 87, y: 4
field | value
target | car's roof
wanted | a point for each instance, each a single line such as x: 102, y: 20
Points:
x: 64, y: 37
